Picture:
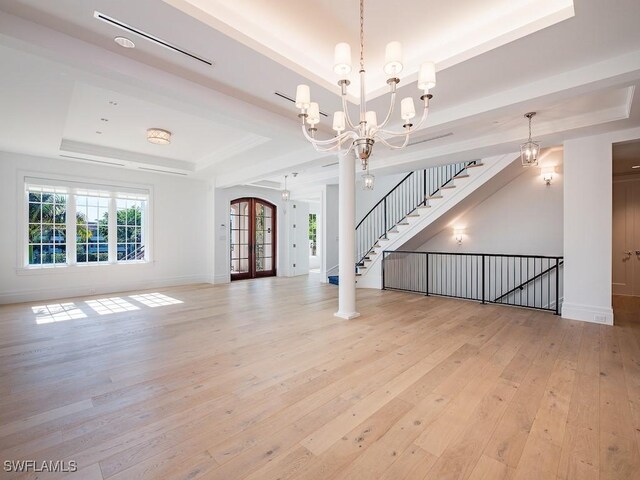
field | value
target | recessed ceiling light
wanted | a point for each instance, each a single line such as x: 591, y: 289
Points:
x: 124, y: 42
x: 636, y: 166
x: 113, y: 102
x: 98, y: 132
x: 159, y: 136
x: 104, y: 119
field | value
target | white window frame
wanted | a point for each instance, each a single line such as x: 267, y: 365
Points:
x: 73, y: 187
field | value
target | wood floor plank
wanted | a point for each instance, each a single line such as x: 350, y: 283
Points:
x: 276, y: 387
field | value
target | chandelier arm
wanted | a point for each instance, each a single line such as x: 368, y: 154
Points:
x: 329, y: 141
x: 395, y: 147
x: 346, y: 112
x: 334, y: 148
x: 412, y: 129
x: 348, y: 151
x: 390, y: 112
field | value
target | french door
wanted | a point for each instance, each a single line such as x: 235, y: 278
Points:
x: 253, y: 238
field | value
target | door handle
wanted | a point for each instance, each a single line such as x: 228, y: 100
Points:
x: 637, y: 252
x: 629, y: 252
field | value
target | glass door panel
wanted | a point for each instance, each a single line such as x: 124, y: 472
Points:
x: 253, y: 238
x: 263, y: 235
x: 240, y: 221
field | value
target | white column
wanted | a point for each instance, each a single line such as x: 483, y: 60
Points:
x: 346, y: 243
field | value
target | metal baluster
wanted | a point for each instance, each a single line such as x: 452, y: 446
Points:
x: 557, y: 286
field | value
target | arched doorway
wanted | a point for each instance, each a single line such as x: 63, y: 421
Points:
x: 253, y: 238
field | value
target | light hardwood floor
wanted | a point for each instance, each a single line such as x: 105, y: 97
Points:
x: 258, y: 380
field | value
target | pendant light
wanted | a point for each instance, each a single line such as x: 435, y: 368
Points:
x: 367, y: 180
x: 529, y: 150
x: 285, y: 193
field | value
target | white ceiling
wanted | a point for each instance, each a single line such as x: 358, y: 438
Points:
x: 60, y: 66
x: 443, y: 32
x: 197, y: 138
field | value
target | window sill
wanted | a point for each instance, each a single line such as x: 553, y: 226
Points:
x: 78, y: 268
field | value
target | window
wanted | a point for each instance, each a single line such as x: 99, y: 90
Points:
x: 92, y: 228
x: 129, y: 227
x: 47, y: 209
x: 69, y: 225
x: 313, y: 232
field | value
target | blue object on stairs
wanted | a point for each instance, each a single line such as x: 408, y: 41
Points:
x: 334, y: 279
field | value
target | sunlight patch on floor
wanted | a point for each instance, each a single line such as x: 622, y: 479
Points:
x: 106, y: 306
x: 57, y: 312
x: 155, y: 299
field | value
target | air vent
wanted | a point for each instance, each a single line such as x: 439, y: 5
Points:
x: 330, y: 164
x: 287, y: 97
x: 266, y: 184
x: 94, y: 161
x: 161, y: 171
x: 148, y: 36
x: 431, y: 139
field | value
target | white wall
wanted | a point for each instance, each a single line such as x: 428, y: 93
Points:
x: 523, y: 217
x: 588, y: 225
x: 296, y: 238
x: 285, y: 257
x: 181, y: 211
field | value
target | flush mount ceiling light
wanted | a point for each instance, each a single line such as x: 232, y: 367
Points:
x: 529, y: 150
x: 124, y: 42
x: 362, y: 134
x: 159, y: 136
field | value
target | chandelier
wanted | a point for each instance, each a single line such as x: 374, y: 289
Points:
x: 361, y: 135
x: 529, y: 150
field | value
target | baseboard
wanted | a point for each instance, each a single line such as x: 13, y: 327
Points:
x: 588, y: 313
x: 217, y: 279
x: 66, y: 292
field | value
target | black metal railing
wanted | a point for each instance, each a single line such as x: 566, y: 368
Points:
x: 531, y: 281
x: 412, y: 191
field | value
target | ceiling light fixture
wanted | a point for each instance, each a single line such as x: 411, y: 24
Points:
x: 285, y: 193
x: 529, y: 150
x: 124, y: 42
x: 368, y: 180
x: 362, y: 135
x: 636, y: 166
x: 159, y: 136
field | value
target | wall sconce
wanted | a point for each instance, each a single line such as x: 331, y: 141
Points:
x: 458, y: 234
x: 547, y: 174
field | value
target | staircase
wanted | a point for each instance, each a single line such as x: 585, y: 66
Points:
x: 414, y: 191
x: 421, y: 198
